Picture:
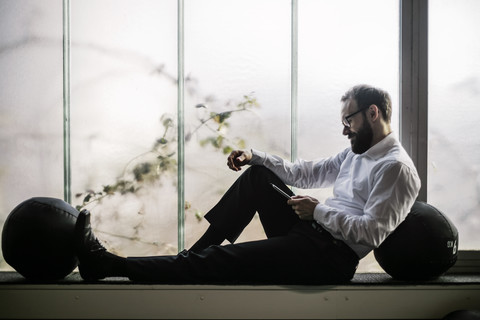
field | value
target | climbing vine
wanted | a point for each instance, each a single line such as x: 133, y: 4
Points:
x: 161, y: 160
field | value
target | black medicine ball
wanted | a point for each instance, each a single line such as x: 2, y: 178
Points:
x: 463, y: 315
x: 37, y: 239
x: 423, y: 247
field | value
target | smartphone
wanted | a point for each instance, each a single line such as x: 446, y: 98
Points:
x: 280, y: 191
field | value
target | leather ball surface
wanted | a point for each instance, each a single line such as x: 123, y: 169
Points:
x: 463, y: 315
x: 423, y: 247
x: 37, y: 239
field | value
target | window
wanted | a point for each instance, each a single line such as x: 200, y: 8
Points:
x: 266, y: 74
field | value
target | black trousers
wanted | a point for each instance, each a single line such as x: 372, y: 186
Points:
x: 295, y: 251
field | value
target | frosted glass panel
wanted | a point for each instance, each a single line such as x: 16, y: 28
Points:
x: 31, y: 127
x: 124, y: 100
x: 236, y: 53
x: 341, y: 44
x: 454, y: 117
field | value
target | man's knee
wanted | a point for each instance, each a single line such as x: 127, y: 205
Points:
x: 257, y: 170
x: 261, y: 177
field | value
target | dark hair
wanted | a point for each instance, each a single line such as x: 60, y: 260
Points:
x: 366, y: 95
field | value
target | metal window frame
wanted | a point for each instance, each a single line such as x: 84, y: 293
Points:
x: 414, y: 85
x: 180, y: 126
x: 294, y: 81
x: 67, y: 171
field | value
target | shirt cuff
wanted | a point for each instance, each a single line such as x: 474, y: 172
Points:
x: 258, y: 157
x: 320, y: 213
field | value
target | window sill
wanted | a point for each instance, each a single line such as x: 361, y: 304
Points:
x: 366, y: 296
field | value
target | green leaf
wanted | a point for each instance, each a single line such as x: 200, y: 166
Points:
x: 241, y: 144
x: 108, y: 189
x: 162, y: 141
x: 87, y: 198
x: 218, y: 142
x: 198, y: 215
x: 221, y: 117
x: 141, y: 169
x: 224, y: 116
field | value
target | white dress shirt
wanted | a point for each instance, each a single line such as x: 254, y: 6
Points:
x: 373, y: 192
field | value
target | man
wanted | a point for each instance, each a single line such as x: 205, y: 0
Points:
x: 308, y: 242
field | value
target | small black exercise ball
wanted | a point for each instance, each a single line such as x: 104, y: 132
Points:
x: 423, y: 247
x: 463, y: 315
x: 37, y: 239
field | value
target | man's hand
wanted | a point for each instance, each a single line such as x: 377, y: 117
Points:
x: 238, y: 158
x: 304, y: 206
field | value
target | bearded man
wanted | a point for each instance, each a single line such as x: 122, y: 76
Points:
x: 374, y: 181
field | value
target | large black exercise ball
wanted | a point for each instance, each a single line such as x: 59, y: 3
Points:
x: 37, y: 239
x: 423, y: 247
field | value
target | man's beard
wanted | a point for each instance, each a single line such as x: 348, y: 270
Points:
x: 363, y: 139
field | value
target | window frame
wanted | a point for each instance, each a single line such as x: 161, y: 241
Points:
x: 414, y: 85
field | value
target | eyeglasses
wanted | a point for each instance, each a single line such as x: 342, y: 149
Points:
x: 346, y: 119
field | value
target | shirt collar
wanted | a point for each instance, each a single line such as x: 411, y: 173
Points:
x: 381, y: 148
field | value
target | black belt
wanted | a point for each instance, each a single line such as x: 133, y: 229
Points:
x: 319, y: 228
x: 336, y: 242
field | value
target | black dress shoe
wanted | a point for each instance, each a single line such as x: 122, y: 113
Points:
x: 92, y: 255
